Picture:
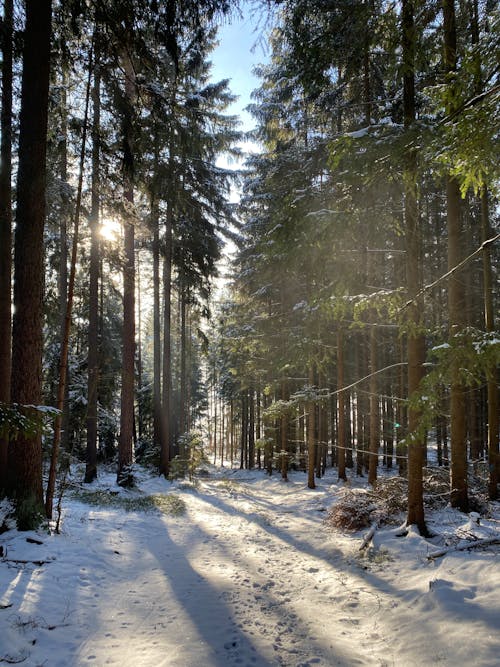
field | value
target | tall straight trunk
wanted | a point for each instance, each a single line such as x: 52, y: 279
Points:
x: 140, y: 411
x: 350, y: 429
x: 285, y: 395
x: 456, y: 296
x: 489, y: 320
x: 311, y: 435
x: 63, y: 244
x: 492, y: 382
x: 5, y: 227
x: 361, y: 408
x: 215, y: 422
x: 63, y: 363
x: 25, y: 458
x: 251, y: 430
x: 167, y: 361
x: 258, y: 426
x: 374, y: 407
x: 415, y: 514
x: 125, y: 443
x: 244, y: 429
x: 231, y: 431
x: 155, y: 223
x: 94, y: 270
x: 341, y: 439
x: 183, y: 378
x: 401, y: 413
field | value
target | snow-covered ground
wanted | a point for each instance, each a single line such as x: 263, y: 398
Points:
x: 248, y: 575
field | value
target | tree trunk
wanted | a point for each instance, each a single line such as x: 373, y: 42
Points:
x: 25, y: 457
x: 5, y: 227
x: 374, y: 407
x: 63, y: 243
x: 492, y: 382
x: 94, y: 270
x: 183, y: 377
x: 285, y: 395
x: 63, y: 363
x: 341, y: 439
x: 251, y: 431
x: 125, y: 444
x: 415, y: 514
x: 311, y: 432
x: 167, y: 360
x: 155, y: 222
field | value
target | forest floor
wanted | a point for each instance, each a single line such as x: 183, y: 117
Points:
x: 242, y: 570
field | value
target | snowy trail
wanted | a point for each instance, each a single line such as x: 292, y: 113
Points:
x: 248, y: 576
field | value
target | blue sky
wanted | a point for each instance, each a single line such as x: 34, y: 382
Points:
x: 241, y: 47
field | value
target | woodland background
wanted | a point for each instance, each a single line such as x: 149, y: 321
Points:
x: 357, y: 324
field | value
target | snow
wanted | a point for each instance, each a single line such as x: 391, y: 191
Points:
x: 250, y: 574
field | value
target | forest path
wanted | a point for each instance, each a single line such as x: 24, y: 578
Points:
x: 248, y: 576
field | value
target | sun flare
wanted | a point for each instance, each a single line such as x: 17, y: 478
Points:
x: 110, y: 229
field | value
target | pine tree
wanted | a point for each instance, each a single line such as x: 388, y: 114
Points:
x: 25, y: 459
x: 5, y: 225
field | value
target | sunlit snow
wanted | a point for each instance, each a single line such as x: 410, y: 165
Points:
x: 248, y: 575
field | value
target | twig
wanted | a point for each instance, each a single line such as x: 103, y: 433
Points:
x: 470, y: 545
x: 12, y: 661
x: 449, y: 273
x: 25, y: 562
x: 369, y: 536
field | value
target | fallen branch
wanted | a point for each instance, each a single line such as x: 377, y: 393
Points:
x: 470, y: 545
x: 12, y: 661
x: 25, y: 562
x: 369, y: 536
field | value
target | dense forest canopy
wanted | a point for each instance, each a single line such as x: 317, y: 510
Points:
x: 358, y: 323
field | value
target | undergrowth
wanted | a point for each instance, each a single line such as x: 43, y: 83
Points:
x: 165, y: 504
x: 386, y: 503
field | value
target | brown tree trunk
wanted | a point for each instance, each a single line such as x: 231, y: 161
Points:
x: 167, y: 358
x: 183, y: 377
x: 63, y: 363
x: 456, y: 296
x: 5, y: 227
x: 415, y: 514
x: 251, y: 430
x: 341, y: 439
x: 125, y: 443
x: 311, y: 433
x: 94, y: 270
x: 63, y: 243
x: 374, y: 407
x: 155, y: 222
x: 25, y: 458
x: 492, y: 382
x: 284, y: 427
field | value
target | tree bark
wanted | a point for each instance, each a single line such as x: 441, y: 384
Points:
x: 311, y: 441
x: 456, y: 296
x: 341, y: 439
x: 167, y: 361
x: 6, y: 227
x: 374, y: 407
x: 93, y: 334
x: 26, y: 455
x: 125, y: 444
x: 63, y: 364
x: 155, y: 223
x: 492, y: 382
x: 415, y: 515
x: 251, y: 430
x: 183, y: 376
